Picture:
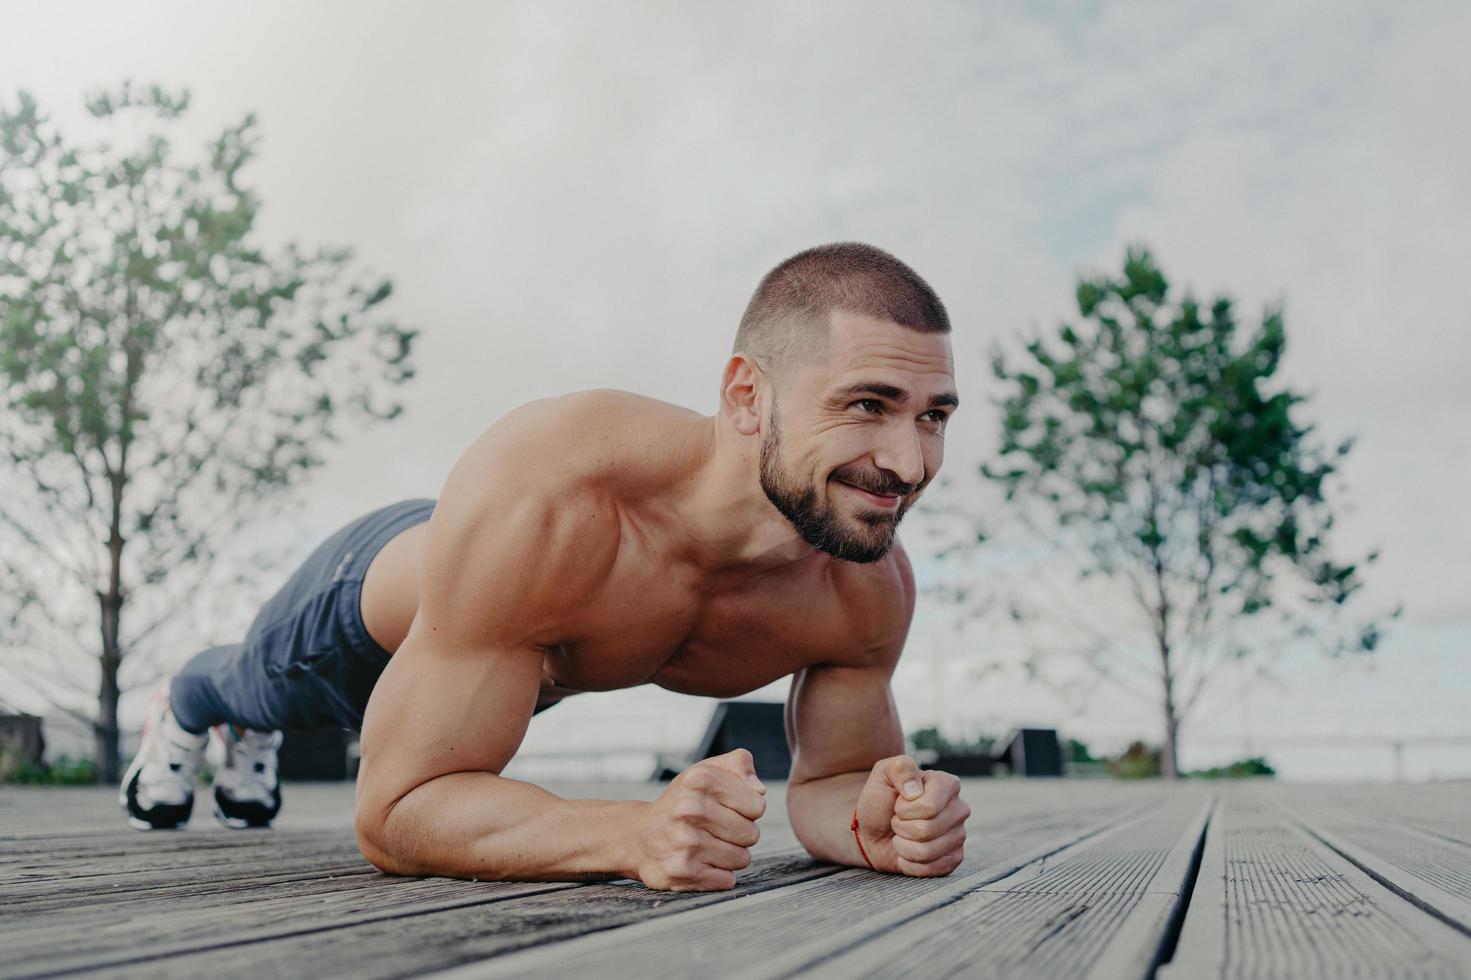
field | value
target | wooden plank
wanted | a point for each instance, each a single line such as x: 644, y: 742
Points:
x: 1442, y: 809
x: 276, y: 857
x: 77, y: 943
x: 1100, y: 908
x: 83, y: 900
x: 21, y: 852
x: 399, y: 945
x: 781, y: 932
x: 396, y: 944
x: 1430, y: 871
x: 1270, y: 902
x: 48, y: 811
x: 180, y: 916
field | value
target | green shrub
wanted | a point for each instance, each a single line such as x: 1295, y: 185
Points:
x: 1139, y: 761
x: 930, y: 738
x: 1257, y: 765
x: 65, y: 771
x: 1078, y: 751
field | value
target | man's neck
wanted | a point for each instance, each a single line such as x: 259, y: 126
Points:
x: 728, y: 521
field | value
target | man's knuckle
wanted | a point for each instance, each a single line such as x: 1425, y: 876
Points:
x: 683, y: 868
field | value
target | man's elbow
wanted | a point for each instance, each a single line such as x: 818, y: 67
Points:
x: 376, y: 844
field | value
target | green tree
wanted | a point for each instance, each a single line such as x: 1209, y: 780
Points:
x: 162, y: 377
x: 1159, y: 441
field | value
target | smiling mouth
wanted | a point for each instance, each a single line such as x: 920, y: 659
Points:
x: 883, y: 500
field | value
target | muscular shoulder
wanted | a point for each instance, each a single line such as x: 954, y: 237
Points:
x: 877, y: 601
x: 602, y: 440
x: 529, y: 520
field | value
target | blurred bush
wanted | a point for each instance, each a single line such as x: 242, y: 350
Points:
x: 65, y: 771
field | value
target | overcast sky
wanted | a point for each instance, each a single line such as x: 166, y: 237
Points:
x: 584, y: 195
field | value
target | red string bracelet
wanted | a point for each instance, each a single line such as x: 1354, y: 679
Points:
x: 859, y: 841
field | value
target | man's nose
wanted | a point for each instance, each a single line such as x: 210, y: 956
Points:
x: 901, y: 454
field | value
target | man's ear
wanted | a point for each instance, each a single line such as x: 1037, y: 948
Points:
x: 741, y: 393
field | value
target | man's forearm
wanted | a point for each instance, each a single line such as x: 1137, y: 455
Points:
x: 821, y: 812
x: 480, y: 825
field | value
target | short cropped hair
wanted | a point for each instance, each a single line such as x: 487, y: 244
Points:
x: 790, y: 307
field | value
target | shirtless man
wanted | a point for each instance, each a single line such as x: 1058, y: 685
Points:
x: 603, y: 540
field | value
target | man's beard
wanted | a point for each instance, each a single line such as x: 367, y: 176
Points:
x: 819, y: 525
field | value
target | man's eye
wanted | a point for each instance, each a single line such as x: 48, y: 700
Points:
x: 868, y: 404
x: 936, y: 416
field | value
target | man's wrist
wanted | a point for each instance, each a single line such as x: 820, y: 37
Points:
x: 821, y: 813
x: 626, y: 842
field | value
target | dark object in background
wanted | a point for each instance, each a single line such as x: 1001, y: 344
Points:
x: 315, y: 756
x: 759, y: 726
x: 21, y: 743
x: 1032, y: 752
x: 967, y: 764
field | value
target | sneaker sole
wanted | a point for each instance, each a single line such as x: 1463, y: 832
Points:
x: 240, y: 823
x: 138, y: 823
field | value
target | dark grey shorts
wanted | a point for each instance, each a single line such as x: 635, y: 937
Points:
x: 307, y: 660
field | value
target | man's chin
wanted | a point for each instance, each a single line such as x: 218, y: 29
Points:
x: 865, y: 557
x: 865, y: 548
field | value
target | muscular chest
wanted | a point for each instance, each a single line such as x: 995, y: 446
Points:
x: 670, y: 633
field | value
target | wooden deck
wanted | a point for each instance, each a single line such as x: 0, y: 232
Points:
x: 1061, y: 879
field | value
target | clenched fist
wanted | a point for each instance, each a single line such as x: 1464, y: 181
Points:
x: 699, y: 832
x: 910, y: 821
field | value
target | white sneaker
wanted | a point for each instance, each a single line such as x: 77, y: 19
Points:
x: 248, y: 787
x: 157, y: 792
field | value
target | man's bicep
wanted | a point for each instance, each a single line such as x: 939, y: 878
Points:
x: 503, y: 563
x: 439, y: 712
x: 841, y: 719
x: 440, y: 708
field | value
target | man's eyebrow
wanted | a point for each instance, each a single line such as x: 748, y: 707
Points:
x: 895, y: 394
x: 945, y: 398
x: 892, y: 393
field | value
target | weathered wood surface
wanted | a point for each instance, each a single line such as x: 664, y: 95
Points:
x: 1430, y: 869
x: 1271, y: 900
x: 785, y: 931
x: 1061, y: 878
